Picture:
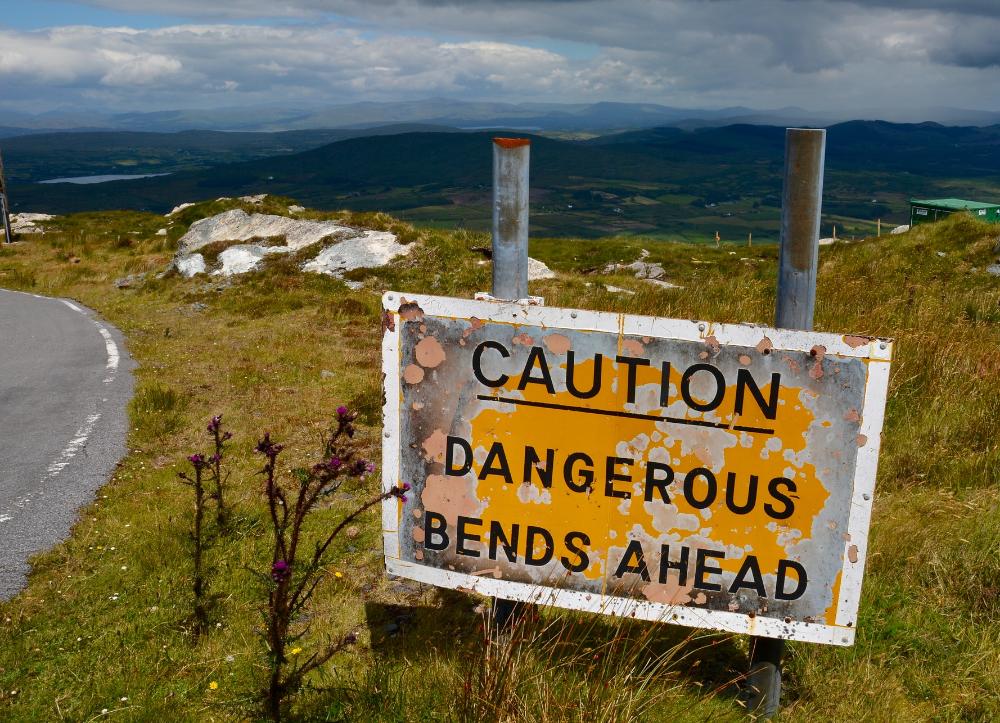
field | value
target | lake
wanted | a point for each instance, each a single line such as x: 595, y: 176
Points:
x: 105, y: 178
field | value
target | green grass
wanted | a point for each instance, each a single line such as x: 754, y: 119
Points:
x: 103, y: 616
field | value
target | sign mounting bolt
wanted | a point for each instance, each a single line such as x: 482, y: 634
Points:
x: 701, y: 327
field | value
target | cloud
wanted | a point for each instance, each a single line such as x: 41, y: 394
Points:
x: 701, y: 53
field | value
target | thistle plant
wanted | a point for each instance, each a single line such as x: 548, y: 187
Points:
x: 203, y: 468
x: 199, y: 584
x: 294, y: 576
x: 219, y: 438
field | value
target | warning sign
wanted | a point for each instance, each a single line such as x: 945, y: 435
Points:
x: 711, y: 475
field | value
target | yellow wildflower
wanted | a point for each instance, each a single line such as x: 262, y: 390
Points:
x: 213, y: 685
x: 296, y: 651
x: 338, y: 573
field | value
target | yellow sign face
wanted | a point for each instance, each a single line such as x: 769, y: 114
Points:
x: 695, y: 473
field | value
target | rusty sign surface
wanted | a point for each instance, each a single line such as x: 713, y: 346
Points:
x: 710, y: 475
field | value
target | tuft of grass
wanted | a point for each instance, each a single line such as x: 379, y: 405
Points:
x: 155, y: 411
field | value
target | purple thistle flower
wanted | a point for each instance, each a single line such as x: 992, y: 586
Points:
x: 403, y: 498
x: 351, y: 638
x: 280, y: 571
x: 406, y: 487
x: 198, y: 460
x: 342, y: 411
x: 227, y: 436
x: 215, y: 458
x: 268, y: 448
x: 214, y: 425
x: 334, y: 463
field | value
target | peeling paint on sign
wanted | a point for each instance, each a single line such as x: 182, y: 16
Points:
x: 704, y: 474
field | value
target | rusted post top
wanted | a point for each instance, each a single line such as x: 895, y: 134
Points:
x: 801, y: 207
x: 512, y: 142
x: 510, y: 217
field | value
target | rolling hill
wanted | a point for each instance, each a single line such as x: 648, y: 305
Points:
x: 660, y: 182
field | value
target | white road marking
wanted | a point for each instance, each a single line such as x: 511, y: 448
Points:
x: 4, y: 518
x: 109, y: 342
x: 112, y: 349
x: 74, y: 446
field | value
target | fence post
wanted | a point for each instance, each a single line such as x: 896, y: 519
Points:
x: 801, y: 207
x: 510, y: 217
x: 5, y: 205
x: 510, y: 266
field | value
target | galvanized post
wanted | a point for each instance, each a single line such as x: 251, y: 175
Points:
x: 801, y: 207
x: 5, y: 205
x: 510, y: 266
x: 510, y: 217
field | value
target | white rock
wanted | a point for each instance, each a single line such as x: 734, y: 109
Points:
x: 178, y: 209
x: 374, y: 248
x: 639, y: 269
x: 900, y: 229
x: 244, y: 257
x: 993, y: 269
x: 618, y: 290
x: 827, y: 241
x: 662, y: 284
x: 296, y: 209
x: 162, y: 232
x: 346, y: 248
x: 256, y: 200
x: 538, y: 271
x: 30, y: 217
x: 238, y: 225
x: 21, y: 223
x: 188, y: 266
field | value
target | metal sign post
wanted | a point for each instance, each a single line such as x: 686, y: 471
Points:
x: 511, y: 161
x: 801, y: 208
x: 5, y: 205
x: 510, y: 217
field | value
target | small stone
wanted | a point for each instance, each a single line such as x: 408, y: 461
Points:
x: 327, y: 374
x: 352, y: 532
x: 993, y: 269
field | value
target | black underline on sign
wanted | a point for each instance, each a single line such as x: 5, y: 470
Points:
x: 630, y: 415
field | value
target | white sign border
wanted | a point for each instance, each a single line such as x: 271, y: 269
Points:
x: 877, y: 352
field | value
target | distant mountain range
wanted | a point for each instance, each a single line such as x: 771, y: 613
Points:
x: 662, y: 181
x: 583, y: 117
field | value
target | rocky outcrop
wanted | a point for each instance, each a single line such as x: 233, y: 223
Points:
x: 344, y: 248
x: 21, y: 223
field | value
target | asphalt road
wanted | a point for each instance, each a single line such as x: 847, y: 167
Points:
x: 65, y: 380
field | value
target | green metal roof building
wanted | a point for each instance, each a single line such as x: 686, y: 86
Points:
x: 928, y: 211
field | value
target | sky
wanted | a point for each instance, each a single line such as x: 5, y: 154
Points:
x: 143, y: 55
